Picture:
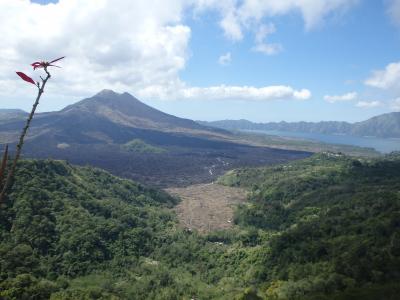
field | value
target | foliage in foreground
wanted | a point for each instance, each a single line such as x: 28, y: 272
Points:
x: 81, y: 233
x: 323, y: 228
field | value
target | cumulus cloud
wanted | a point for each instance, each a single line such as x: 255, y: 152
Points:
x: 237, y: 17
x: 223, y: 92
x: 135, y: 46
x: 389, y: 78
x: 340, y: 98
x: 225, y: 59
x: 231, y: 27
x: 115, y: 44
x: 261, y: 44
x: 268, y: 49
x: 245, y: 12
x: 368, y: 104
x: 312, y: 11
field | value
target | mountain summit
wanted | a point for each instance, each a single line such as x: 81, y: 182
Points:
x: 125, y: 109
x: 107, y: 117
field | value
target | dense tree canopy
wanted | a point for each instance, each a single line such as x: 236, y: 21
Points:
x: 334, y: 223
x: 327, y: 227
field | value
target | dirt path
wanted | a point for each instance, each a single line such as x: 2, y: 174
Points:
x: 207, y: 207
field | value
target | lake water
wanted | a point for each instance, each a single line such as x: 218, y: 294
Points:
x: 380, y: 144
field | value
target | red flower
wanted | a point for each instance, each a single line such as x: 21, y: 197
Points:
x: 42, y: 64
x: 26, y: 78
x: 36, y: 65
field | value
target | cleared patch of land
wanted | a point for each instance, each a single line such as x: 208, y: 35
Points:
x: 207, y: 207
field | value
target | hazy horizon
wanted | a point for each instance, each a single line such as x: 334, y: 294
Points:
x: 208, y: 120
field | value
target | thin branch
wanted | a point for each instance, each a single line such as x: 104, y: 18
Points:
x: 22, y: 136
x: 3, y: 165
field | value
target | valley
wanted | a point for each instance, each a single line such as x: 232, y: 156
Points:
x: 201, y: 162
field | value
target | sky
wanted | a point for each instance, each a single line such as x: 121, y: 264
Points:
x: 261, y: 60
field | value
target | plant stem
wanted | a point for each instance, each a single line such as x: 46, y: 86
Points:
x: 3, y: 164
x: 22, y: 136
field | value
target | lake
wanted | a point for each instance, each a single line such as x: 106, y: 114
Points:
x: 380, y: 144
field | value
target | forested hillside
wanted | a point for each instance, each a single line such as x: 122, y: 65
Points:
x: 332, y: 225
x: 80, y: 233
x: 327, y: 227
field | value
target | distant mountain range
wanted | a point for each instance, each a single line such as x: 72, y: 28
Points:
x: 10, y: 114
x: 384, y: 126
x: 100, y: 131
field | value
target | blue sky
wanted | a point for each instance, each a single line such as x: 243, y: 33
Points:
x: 347, y: 59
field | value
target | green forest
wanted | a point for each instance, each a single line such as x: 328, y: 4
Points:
x: 326, y: 227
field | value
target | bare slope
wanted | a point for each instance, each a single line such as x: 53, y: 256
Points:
x: 207, y: 207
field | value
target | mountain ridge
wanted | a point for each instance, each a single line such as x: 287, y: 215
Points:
x: 11, y: 114
x: 106, y: 117
x: 385, y: 126
x: 120, y: 108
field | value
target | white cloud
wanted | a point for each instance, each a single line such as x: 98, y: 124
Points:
x: 225, y: 59
x: 119, y: 44
x: 237, y: 17
x: 393, y: 10
x: 268, y: 49
x: 227, y: 9
x: 135, y: 46
x: 340, y: 98
x: 312, y: 11
x: 231, y: 27
x: 389, y: 78
x: 253, y: 11
x: 261, y: 40
x: 368, y: 104
x: 223, y: 92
